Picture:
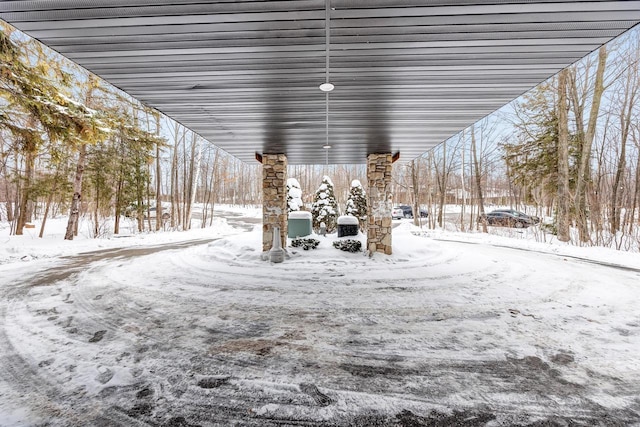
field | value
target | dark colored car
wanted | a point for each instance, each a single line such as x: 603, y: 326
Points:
x: 519, y: 214
x: 404, y: 211
x: 504, y: 218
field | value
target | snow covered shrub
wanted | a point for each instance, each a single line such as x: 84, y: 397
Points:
x: 348, y: 245
x: 294, y: 195
x: 305, y: 244
x: 357, y: 203
x: 325, y: 207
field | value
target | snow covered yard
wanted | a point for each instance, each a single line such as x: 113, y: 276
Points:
x: 440, y: 333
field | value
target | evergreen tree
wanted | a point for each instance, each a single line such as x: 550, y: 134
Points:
x: 133, y: 153
x: 532, y: 160
x: 325, y: 207
x: 294, y: 195
x: 38, y: 111
x: 357, y: 203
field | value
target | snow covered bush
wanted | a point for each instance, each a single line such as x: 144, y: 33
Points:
x: 294, y: 195
x: 305, y: 244
x: 348, y: 245
x: 357, y: 203
x: 325, y: 207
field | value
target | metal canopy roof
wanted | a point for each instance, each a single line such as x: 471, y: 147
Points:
x: 245, y: 74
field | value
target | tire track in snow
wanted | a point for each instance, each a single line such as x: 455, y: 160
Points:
x: 381, y: 350
x: 46, y: 399
x: 23, y: 378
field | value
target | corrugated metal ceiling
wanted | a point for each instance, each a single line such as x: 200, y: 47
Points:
x: 245, y: 74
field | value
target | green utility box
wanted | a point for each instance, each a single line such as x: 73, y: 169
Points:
x: 299, y: 224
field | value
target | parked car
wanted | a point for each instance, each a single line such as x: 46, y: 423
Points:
x: 397, y: 213
x: 153, y: 213
x: 504, y: 218
x: 519, y: 214
x: 404, y: 211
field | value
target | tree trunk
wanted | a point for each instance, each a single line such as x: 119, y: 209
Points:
x: 72, y: 225
x: 464, y: 190
x: 8, y: 203
x: 417, y: 219
x: 140, y: 185
x: 23, y: 201
x: 119, y: 186
x: 626, y: 119
x: 635, y: 205
x: 147, y: 196
x: 442, y: 180
x: 159, y: 219
x: 194, y: 173
x: 207, y: 212
x: 478, y: 178
x: 175, y: 214
x: 616, y: 190
x: 48, y: 205
x: 584, y: 173
x: 116, y: 226
x: 206, y: 195
x: 597, y: 197
x: 429, y: 189
x: 7, y: 192
x: 96, y: 215
x: 563, y: 160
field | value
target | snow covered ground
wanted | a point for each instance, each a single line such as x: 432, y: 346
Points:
x: 185, y: 329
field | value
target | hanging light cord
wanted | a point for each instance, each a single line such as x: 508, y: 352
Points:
x: 327, y: 36
x: 327, y: 24
x: 326, y: 124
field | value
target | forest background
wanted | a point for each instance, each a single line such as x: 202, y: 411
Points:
x: 568, y: 150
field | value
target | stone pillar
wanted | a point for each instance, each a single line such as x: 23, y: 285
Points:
x: 274, y: 198
x: 380, y: 205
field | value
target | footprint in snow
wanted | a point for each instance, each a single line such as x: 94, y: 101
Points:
x: 320, y: 398
x: 213, y: 382
x: 97, y: 336
x: 105, y: 376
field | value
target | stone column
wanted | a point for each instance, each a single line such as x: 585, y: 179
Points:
x: 274, y: 198
x: 380, y: 205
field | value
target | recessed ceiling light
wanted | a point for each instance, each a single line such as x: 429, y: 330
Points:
x: 326, y: 146
x: 326, y: 87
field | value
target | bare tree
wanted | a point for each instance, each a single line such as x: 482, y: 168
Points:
x: 478, y: 179
x: 625, y: 117
x: 158, y: 175
x: 462, y: 184
x: 415, y: 192
x: 563, y: 160
x: 635, y: 203
x: 585, y: 137
x: 72, y: 224
x: 191, y: 182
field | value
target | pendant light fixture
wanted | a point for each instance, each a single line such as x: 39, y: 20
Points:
x: 327, y: 87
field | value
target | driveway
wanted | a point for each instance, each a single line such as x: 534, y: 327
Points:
x: 205, y: 336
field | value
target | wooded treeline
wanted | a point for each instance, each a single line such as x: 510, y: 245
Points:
x: 568, y: 150
x: 72, y: 144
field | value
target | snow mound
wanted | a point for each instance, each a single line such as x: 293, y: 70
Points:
x: 347, y: 220
x: 300, y: 215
